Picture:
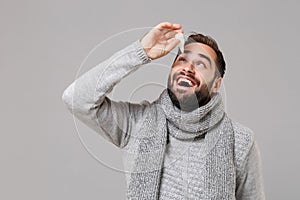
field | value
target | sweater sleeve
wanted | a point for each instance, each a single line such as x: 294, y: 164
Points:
x: 86, y: 96
x: 249, y: 180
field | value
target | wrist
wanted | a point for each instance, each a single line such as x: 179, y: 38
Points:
x: 142, y: 53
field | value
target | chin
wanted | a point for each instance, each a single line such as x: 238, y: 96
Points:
x: 183, y: 93
x: 188, y: 99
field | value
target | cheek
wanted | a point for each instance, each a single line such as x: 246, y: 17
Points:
x: 170, y: 78
x: 205, y: 76
x: 174, y: 69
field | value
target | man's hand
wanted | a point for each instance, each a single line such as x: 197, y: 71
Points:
x: 160, y: 40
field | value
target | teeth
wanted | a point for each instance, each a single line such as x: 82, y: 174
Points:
x: 185, y: 80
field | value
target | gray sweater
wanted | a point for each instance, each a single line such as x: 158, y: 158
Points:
x: 86, y: 99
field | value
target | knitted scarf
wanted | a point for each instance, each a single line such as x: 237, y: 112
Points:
x: 145, y: 151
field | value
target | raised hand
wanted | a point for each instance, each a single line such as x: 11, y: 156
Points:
x: 161, y: 39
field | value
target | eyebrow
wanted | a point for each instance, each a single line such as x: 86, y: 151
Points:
x: 201, y: 55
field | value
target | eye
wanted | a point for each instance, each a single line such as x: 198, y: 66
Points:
x: 200, y: 64
x: 181, y: 59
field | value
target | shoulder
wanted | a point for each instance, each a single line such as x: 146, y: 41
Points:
x: 244, y: 140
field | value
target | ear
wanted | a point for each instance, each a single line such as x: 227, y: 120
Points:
x: 216, y: 85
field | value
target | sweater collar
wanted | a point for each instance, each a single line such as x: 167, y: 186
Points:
x: 194, y: 123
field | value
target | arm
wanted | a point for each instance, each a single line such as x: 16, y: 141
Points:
x: 249, y: 181
x: 86, y: 96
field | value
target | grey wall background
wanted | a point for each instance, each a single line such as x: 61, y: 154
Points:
x: 44, y: 42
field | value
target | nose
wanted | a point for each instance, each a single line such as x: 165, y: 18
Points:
x: 189, y: 68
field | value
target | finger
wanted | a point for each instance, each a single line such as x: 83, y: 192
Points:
x: 167, y: 26
x: 172, y: 34
x: 172, y: 43
x: 164, y: 25
x: 177, y: 26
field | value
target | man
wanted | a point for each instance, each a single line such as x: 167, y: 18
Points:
x: 183, y: 145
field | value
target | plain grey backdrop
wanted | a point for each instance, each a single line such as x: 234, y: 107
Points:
x: 43, y: 43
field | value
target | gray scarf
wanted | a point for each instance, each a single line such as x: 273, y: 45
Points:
x: 145, y: 152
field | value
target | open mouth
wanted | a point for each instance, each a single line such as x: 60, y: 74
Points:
x: 185, y: 81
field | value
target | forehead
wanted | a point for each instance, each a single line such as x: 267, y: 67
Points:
x: 199, y: 48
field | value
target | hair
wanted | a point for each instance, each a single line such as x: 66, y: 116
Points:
x: 209, y: 41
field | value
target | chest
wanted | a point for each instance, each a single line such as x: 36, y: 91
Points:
x: 195, y: 170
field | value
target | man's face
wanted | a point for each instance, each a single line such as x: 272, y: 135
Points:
x: 192, y: 78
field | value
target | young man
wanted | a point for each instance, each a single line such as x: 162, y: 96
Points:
x: 183, y: 145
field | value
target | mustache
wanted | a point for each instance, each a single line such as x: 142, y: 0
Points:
x: 175, y: 76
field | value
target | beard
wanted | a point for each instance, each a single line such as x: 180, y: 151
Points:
x: 190, y: 102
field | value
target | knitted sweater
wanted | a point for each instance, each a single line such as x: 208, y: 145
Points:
x: 86, y: 99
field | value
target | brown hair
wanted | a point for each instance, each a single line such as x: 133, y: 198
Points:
x: 209, y: 41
